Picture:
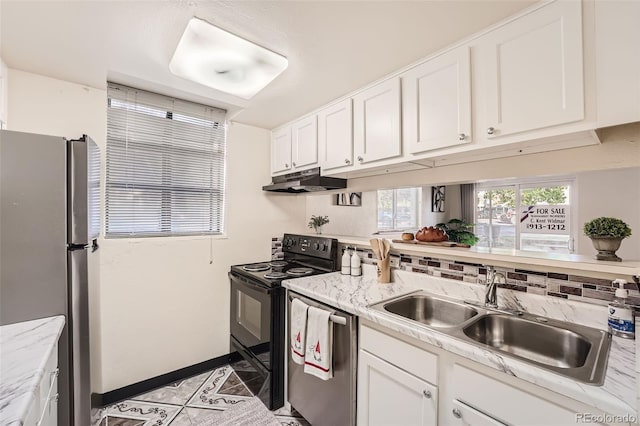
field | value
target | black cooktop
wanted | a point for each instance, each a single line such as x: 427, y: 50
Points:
x: 272, y: 273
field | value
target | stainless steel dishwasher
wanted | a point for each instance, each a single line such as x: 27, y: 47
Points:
x: 326, y: 402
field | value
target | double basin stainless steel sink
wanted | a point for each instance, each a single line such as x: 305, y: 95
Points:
x: 571, y: 350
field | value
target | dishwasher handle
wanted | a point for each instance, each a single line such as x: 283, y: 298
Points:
x: 334, y: 318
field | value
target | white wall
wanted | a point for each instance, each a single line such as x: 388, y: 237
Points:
x: 160, y: 304
x: 4, y: 82
x: 612, y: 193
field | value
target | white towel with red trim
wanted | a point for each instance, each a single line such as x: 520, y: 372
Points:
x: 298, y: 330
x: 318, y: 358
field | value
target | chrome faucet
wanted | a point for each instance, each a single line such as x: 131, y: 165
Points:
x: 490, y: 289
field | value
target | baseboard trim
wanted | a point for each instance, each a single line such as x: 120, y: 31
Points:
x: 99, y: 400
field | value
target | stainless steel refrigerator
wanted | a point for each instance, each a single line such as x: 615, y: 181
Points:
x: 49, y: 219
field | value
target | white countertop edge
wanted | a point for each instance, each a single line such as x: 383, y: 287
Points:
x: 504, y: 257
x: 14, y: 411
x: 597, y: 396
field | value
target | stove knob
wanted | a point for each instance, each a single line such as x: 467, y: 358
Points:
x: 315, y: 246
x: 322, y: 247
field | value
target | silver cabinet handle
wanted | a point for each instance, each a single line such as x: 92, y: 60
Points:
x: 462, y: 136
x: 457, y: 414
x: 55, y: 398
x: 427, y: 394
x: 293, y: 164
x: 360, y: 159
x: 347, y: 161
x: 286, y: 165
x: 490, y: 130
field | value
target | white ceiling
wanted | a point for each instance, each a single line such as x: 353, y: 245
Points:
x: 333, y: 47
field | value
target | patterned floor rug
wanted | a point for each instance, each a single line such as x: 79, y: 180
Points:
x: 188, y: 402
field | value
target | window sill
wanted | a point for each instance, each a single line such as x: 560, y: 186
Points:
x: 510, y: 258
x: 166, y: 237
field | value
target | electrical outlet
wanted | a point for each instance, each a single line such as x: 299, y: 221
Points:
x: 394, y: 262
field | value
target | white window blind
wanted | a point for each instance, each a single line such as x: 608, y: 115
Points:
x: 165, y: 165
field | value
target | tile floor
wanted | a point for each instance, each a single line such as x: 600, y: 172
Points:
x: 187, y: 402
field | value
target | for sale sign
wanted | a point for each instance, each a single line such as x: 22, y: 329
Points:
x: 547, y: 219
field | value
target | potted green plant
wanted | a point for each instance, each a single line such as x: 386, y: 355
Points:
x: 317, y: 222
x: 606, y: 234
x: 459, y: 231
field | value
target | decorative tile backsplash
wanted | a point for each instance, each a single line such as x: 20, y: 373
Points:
x: 276, y: 248
x: 574, y: 287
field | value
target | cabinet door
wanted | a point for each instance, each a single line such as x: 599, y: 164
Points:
x: 534, y: 70
x: 376, y: 121
x: 463, y: 415
x: 618, y: 61
x: 335, y: 135
x: 304, y: 142
x: 489, y: 395
x: 388, y: 395
x: 281, y: 150
x: 437, y: 95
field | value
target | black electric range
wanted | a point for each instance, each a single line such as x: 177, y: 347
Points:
x: 258, y: 311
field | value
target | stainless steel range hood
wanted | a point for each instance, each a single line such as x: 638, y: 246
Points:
x: 304, y: 181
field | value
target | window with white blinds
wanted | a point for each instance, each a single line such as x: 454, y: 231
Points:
x: 165, y: 165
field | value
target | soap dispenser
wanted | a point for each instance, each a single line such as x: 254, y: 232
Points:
x: 346, y: 262
x: 621, y: 320
x: 356, y: 268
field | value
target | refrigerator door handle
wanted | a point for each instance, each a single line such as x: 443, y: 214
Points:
x: 93, y: 246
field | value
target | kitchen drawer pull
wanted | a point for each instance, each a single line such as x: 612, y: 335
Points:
x: 427, y: 394
x: 491, y: 130
x: 457, y: 413
x: 347, y: 161
x: 360, y: 158
x: 462, y: 136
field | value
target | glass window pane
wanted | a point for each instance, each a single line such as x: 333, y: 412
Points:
x: 406, y: 208
x: 557, y: 241
x: 385, y: 209
x: 483, y: 219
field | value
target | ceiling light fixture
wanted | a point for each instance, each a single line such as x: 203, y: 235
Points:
x: 218, y: 59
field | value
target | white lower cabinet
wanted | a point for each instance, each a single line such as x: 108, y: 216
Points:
x: 388, y: 395
x: 403, y: 381
x: 464, y: 415
x: 396, y: 382
x: 43, y: 410
x: 501, y: 403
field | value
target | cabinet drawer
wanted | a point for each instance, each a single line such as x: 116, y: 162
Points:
x: 498, y: 400
x: 464, y: 415
x: 410, y: 358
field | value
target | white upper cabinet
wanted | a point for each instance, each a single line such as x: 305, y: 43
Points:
x: 376, y: 121
x: 437, y: 100
x: 335, y: 136
x: 281, y: 150
x: 533, y: 71
x: 304, y: 143
x: 617, y: 61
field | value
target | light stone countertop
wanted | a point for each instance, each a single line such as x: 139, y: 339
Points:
x: 616, y: 396
x: 25, y: 348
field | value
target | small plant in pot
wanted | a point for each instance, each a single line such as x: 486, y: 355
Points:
x: 459, y: 231
x: 606, y: 234
x: 317, y: 222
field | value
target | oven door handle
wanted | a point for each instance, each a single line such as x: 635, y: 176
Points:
x: 253, y: 286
